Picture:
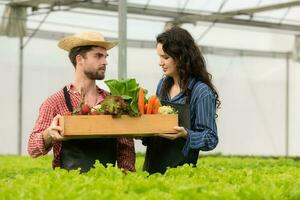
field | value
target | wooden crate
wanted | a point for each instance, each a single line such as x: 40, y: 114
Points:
x: 105, y: 125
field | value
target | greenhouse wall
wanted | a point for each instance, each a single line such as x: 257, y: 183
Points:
x: 252, y: 90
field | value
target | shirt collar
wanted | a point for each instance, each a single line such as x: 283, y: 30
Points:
x: 191, y: 83
x: 71, y: 87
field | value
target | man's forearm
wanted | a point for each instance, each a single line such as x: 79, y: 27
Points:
x: 47, y: 139
x: 36, y: 145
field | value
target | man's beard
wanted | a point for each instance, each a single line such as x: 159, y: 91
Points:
x: 95, y: 75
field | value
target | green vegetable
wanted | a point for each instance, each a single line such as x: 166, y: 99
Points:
x: 114, y: 105
x: 128, y: 90
x: 215, y: 177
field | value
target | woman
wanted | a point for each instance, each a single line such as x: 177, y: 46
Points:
x: 186, y: 86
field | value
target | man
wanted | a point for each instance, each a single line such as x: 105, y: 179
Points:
x: 88, y: 53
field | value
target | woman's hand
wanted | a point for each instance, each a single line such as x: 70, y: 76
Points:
x: 181, y: 132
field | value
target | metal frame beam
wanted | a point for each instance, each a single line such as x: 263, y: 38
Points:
x: 36, y: 3
x: 277, y: 6
x: 151, y: 44
x: 230, y: 14
x: 191, y: 15
x: 188, y: 16
x: 122, y: 58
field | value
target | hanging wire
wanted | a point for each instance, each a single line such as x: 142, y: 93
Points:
x: 258, y: 3
x: 147, y: 4
x: 137, y: 17
x: 284, y: 15
x: 65, y: 25
x: 37, y: 28
x: 184, y: 6
x: 213, y: 23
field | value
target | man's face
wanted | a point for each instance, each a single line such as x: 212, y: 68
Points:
x: 94, y: 63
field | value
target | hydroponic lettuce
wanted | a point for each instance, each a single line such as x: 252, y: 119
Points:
x: 216, y: 178
x: 113, y: 105
x: 128, y: 89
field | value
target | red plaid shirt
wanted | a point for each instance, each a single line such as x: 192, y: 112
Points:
x: 55, y: 105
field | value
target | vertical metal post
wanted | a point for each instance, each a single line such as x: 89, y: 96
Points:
x: 287, y: 124
x: 122, y: 62
x: 20, y: 97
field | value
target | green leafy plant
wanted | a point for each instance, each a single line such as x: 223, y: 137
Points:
x: 215, y: 177
x: 128, y: 90
x: 114, y: 105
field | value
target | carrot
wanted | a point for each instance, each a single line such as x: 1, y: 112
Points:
x: 156, y: 106
x: 145, y: 108
x: 141, y: 97
x: 151, y: 102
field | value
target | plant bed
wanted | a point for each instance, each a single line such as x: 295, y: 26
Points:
x: 79, y: 126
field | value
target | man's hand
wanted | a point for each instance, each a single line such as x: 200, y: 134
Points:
x: 53, y: 132
x: 181, y: 132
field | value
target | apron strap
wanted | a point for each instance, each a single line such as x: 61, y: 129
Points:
x: 189, y: 93
x: 68, y: 99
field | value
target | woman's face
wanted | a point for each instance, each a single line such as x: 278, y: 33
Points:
x: 166, y: 62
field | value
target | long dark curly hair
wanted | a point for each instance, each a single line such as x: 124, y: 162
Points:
x: 180, y: 45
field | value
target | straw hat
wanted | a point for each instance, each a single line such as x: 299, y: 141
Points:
x: 85, y: 39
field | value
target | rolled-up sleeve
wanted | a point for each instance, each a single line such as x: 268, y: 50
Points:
x: 203, y: 134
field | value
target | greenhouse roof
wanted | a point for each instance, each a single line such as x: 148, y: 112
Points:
x: 220, y: 23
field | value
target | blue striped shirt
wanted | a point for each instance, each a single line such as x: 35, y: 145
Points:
x: 202, y: 134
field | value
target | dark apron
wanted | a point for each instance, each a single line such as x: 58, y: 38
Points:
x: 162, y: 153
x: 82, y: 153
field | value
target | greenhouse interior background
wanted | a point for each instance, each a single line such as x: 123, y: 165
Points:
x: 252, y: 48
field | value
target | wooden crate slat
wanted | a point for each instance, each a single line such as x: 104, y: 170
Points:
x: 106, y: 125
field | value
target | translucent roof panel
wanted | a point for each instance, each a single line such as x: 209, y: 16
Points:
x: 228, y: 37
x: 147, y: 27
x: 75, y: 21
x: 237, y: 5
x: 276, y: 14
x: 268, y: 2
x: 178, y: 4
x: 142, y: 2
x: 205, y: 5
x: 293, y: 14
x: 140, y: 28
